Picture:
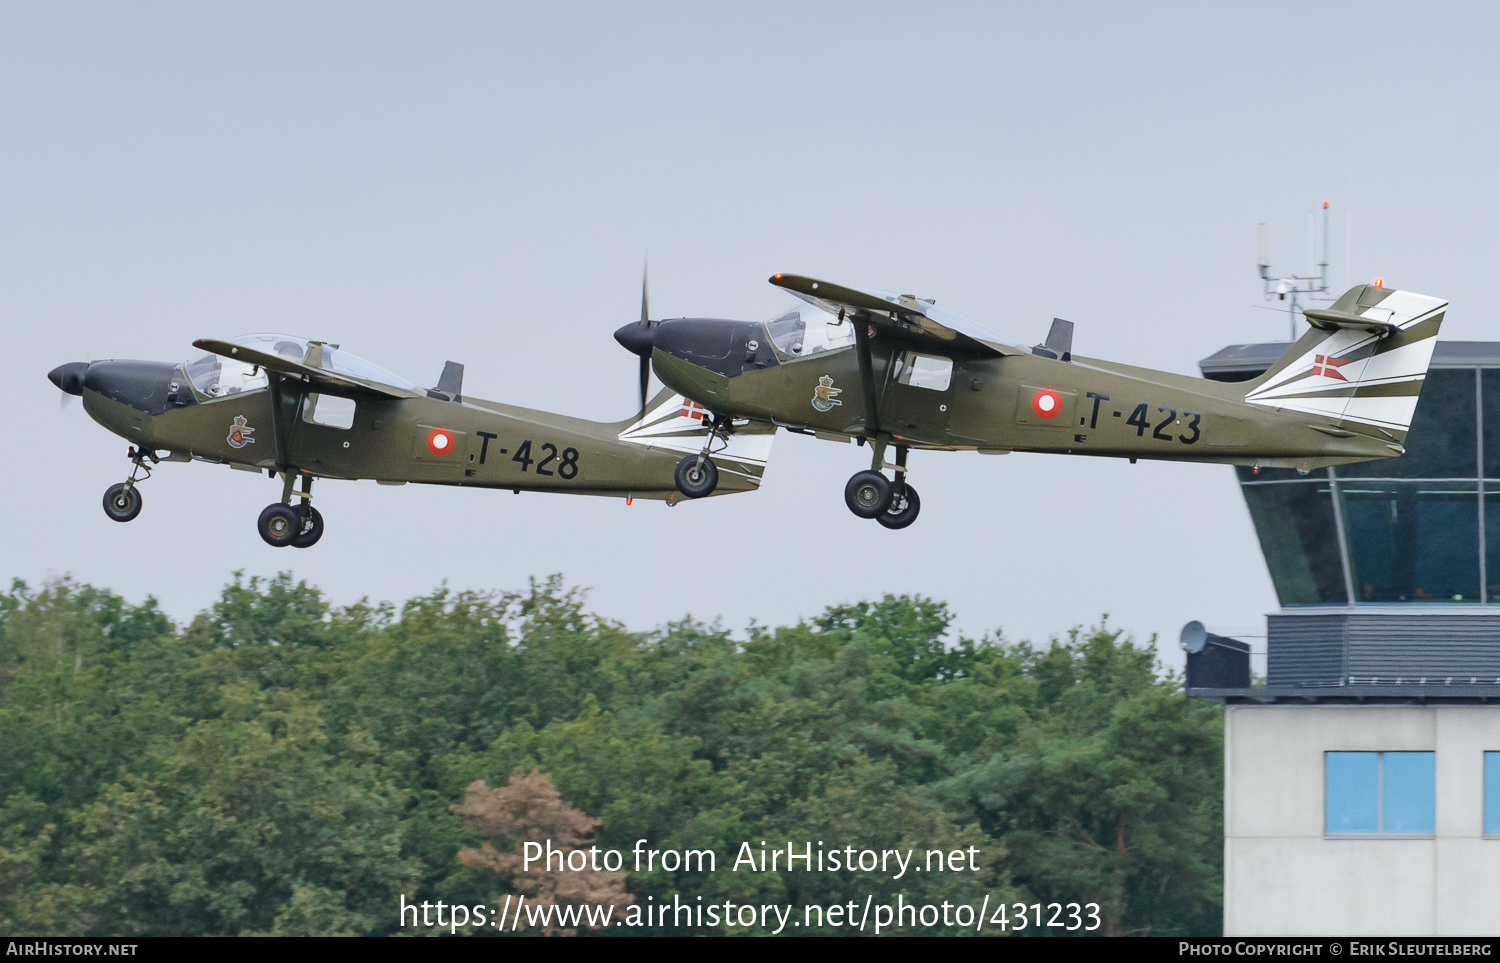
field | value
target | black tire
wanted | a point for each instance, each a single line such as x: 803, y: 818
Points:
x: 693, y: 481
x: 279, y: 524
x: 312, y: 528
x: 868, y: 494
x: 122, y: 502
x: 903, y: 510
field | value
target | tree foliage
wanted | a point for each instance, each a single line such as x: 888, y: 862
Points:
x: 282, y: 765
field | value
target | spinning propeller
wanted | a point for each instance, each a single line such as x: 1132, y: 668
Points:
x: 638, y: 339
x: 646, y: 324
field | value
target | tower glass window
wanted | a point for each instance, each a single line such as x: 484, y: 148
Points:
x: 1492, y: 794
x: 1422, y: 528
x: 1299, y: 534
x: 1412, y: 541
x: 1379, y: 793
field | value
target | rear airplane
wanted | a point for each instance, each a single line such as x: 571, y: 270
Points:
x: 900, y: 373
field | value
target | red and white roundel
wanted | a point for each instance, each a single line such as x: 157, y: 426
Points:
x: 440, y: 441
x: 1046, y: 402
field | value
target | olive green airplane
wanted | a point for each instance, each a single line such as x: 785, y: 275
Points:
x: 898, y: 372
x: 302, y: 409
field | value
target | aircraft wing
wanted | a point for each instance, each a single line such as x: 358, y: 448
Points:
x: 319, y: 377
x: 901, y: 315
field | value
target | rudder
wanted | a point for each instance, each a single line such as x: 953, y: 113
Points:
x: 1363, y: 362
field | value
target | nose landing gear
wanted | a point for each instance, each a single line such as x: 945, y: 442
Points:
x: 697, y: 476
x: 869, y: 494
x: 122, y: 501
x: 281, y: 524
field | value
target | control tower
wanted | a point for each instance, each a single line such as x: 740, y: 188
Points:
x: 1362, y: 780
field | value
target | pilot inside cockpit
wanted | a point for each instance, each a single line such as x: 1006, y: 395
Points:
x: 807, y: 331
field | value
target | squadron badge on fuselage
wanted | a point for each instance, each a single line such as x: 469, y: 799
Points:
x: 239, y: 433
x: 823, y: 394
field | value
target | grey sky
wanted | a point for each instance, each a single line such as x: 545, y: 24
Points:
x: 480, y: 182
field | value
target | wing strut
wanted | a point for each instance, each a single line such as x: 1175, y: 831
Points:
x: 282, y: 425
x: 866, y: 374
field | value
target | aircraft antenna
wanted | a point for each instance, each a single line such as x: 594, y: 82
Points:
x: 1296, y: 288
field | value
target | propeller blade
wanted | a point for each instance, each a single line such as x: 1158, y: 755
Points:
x: 645, y: 324
x: 645, y: 312
x: 64, y: 400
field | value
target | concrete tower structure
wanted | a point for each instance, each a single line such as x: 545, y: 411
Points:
x: 1362, y: 781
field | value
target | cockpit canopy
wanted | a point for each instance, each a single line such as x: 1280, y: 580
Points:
x: 807, y: 331
x: 217, y: 376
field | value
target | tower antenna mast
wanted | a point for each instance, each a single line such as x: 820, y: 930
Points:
x: 1294, y: 288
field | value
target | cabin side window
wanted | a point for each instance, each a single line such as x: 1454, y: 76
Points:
x: 924, y: 371
x: 330, y: 411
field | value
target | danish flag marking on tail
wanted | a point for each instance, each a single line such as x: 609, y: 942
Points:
x: 1354, y: 373
x: 1327, y: 366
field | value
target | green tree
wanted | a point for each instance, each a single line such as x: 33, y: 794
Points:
x: 283, y: 765
x: 1112, y: 793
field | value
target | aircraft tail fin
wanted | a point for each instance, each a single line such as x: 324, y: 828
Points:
x: 1364, y: 360
x: 675, y: 423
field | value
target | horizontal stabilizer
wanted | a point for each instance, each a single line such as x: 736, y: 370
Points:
x: 1327, y: 320
x: 674, y: 423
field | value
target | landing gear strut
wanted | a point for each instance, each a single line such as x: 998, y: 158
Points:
x: 282, y: 524
x: 697, y: 475
x: 869, y: 494
x: 122, y: 502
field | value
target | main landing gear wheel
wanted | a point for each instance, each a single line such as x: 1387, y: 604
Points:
x: 694, y: 480
x: 868, y: 494
x: 122, y: 502
x: 311, y: 521
x: 279, y: 524
x: 903, y: 510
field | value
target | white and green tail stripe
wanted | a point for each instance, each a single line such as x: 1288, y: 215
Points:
x: 1346, y: 372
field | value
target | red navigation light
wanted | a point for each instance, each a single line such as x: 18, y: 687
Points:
x: 1380, y: 282
x: 777, y: 276
x: 1325, y: 204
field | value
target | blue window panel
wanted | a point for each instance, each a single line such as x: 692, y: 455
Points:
x: 1407, y: 796
x: 1492, y: 792
x: 1351, y: 792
